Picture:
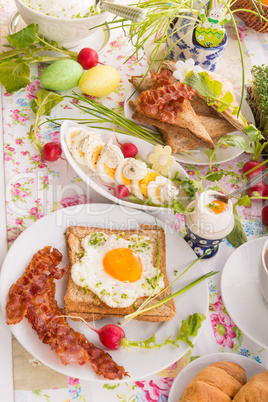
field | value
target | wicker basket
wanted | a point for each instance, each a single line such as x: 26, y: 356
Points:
x: 251, y: 20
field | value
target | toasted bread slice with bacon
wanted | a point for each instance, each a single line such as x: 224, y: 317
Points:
x: 227, y: 85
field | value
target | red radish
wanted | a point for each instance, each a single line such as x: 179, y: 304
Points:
x: 128, y: 149
x: 51, y: 151
x: 121, y: 191
x: 110, y: 335
x: 264, y: 215
x: 250, y: 165
x: 88, y: 58
x: 261, y: 188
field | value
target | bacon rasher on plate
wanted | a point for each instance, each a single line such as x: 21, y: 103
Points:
x: 33, y: 296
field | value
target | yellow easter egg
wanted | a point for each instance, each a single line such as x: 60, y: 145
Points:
x: 99, y: 81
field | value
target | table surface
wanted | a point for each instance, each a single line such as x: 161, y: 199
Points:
x: 31, y: 188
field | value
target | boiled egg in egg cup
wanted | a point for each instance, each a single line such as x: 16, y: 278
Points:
x: 208, y: 224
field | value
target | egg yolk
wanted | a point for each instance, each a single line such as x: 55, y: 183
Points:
x: 126, y: 181
x: 109, y: 171
x: 217, y: 206
x: 95, y: 154
x: 143, y: 183
x: 123, y: 264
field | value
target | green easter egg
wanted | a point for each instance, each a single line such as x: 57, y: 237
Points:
x: 62, y: 75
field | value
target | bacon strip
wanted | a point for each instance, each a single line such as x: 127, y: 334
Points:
x: 165, y: 101
x: 33, y: 296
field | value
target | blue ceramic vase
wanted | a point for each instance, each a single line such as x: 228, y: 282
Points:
x: 182, y: 45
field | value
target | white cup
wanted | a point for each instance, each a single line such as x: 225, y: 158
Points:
x: 263, y: 273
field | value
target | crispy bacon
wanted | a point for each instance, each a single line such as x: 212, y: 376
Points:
x: 165, y: 102
x: 33, y: 296
x: 161, y: 79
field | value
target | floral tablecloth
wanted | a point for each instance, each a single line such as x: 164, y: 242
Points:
x: 35, y: 188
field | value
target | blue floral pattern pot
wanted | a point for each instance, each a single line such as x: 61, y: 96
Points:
x: 187, y: 47
x: 201, y: 245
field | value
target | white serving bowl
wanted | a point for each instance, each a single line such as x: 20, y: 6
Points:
x: 68, y: 32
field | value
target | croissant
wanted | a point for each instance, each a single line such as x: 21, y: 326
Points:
x: 218, y: 382
x: 255, y: 390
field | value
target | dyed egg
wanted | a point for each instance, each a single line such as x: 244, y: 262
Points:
x: 99, y: 81
x: 62, y: 75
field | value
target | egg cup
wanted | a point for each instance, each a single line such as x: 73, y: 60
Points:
x: 200, y: 245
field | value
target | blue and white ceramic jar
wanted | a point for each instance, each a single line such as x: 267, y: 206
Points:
x: 182, y: 45
x: 208, y: 224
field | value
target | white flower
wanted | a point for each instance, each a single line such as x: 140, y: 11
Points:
x: 183, y: 68
x: 161, y: 159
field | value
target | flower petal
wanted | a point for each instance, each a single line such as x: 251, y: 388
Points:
x: 190, y: 63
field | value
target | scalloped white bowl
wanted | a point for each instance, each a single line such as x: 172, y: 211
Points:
x: 66, y: 31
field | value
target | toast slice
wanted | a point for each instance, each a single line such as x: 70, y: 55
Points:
x: 86, y: 304
x: 186, y: 123
x: 226, y: 86
x: 199, y: 105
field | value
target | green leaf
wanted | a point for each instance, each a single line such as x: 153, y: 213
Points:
x: 25, y: 37
x: 214, y: 176
x: 225, y: 102
x: 237, y: 237
x: 253, y: 133
x: 14, y: 75
x: 236, y: 141
x: 209, y: 153
x: 42, y: 106
x: 179, y: 208
x: 190, y: 327
x: 239, y: 334
x: 45, y: 102
x: 204, y: 85
x: 246, y: 201
x: 188, y: 186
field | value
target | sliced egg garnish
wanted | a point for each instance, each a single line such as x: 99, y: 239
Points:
x: 70, y: 134
x: 110, y: 157
x: 92, y: 149
x: 162, y: 191
x: 130, y: 170
x: 144, y: 183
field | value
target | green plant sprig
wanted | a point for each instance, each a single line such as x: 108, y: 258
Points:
x: 27, y: 43
x: 188, y: 328
x: 106, y: 115
x: 171, y: 297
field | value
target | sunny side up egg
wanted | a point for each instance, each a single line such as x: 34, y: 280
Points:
x: 117, y: 270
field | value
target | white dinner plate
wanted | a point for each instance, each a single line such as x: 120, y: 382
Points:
x: 49, y: 231
x: 91, y: 178
x: 241, y: 294
x: 200, y: 158
x: 189, y: 372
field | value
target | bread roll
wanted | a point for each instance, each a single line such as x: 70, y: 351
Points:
x: 255, y: 390
x: 218, y: 382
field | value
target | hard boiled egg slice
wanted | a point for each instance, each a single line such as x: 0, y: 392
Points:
x: 162, y: 191
x: 128, y: 170
x: 110, y: 157
x: 144, y: 183
x: 92, y: 148
x: 70, y: 135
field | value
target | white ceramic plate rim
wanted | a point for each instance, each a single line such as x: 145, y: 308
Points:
x: 88, y: 177
x: 223, y: 155
x: 49, y: 231
x: 229, y: 271
x: 193, y: 368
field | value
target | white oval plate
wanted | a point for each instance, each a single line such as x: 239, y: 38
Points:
x: 90, y: 178
x: 199, y: 158
x: 193, y: 368
x: 241, y: 294
x: 139, y: 362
